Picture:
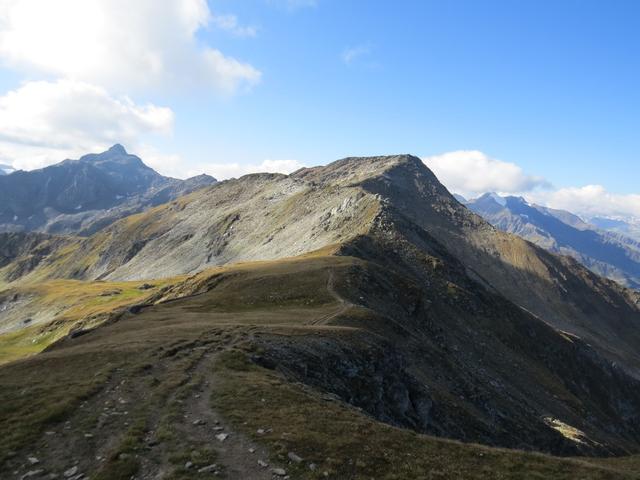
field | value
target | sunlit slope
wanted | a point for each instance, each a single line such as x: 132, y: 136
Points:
x: 34, y: 315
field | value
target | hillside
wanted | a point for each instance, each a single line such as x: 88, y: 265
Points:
x: 82, y: 196
x: 355, y: 315
x: 611, y: 255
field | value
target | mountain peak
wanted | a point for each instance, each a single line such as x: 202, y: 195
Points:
x: 117, y: 149
x: 352, y: 170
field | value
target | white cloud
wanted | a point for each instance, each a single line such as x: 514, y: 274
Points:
x: 351, y: 54
x: 471, y: 173
x: 120, y: 44
x: 44, y: 122
x: 169, y: 164
x: 231, y: 24
x: 589, y: 201
x: 223, y: 171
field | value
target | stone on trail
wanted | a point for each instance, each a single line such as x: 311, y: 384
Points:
x: 208, y: 468
x: 294, y: 458
x: 70, y: 472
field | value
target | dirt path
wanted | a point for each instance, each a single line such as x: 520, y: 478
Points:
x: 343, y: 304
x: 237, y: 454
x: 86, y: 440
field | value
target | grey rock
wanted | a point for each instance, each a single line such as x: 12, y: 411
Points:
x: 70, y: 472
x: 208, y: 468
x: 294, y: 458
x: 32, y: 474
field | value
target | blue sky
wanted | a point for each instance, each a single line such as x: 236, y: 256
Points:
x: 550, y: 86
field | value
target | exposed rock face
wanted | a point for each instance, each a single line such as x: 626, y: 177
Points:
x: 374, y: 378
x: 82, y: 196
x: 611, y: 255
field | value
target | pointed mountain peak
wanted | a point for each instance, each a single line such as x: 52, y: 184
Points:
x: 116, y: 153
x: 491, y: 198
x: 117, y: 149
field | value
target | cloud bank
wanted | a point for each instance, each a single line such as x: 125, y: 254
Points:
x: 92, y: 57
x: 223, y: 171
x: 121, y: 44
x: 472, y: 173
x: 590, y: 201
x: 45, y: 122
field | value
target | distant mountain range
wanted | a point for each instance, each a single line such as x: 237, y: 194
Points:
x: 82, y: 196
x: 627, y: 227
x: 601, y: 245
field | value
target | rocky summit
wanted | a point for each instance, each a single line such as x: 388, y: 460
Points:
x: 348, y: 321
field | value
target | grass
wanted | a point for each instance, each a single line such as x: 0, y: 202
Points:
x: 76, y: 303
x: 34, y: 399
x: 23, y: 343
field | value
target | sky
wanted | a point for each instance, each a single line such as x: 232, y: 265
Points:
x: 531, y: 97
